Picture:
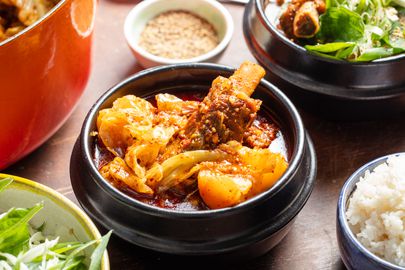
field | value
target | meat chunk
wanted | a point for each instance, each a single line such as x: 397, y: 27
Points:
x: 260, y: 134
x: 306, y: 21
x: 246, y: 78
x: 320, y: 6
x: 15, y: 15
x: 226, y: 112
x: 28, y: 11
x: 286, y: 20
x: 301, y: 18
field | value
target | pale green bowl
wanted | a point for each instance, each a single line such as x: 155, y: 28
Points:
x: 62, y: 217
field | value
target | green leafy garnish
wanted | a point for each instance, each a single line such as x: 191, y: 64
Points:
x: 97, y: 255
x: 24, y: 247
x: 329, y: 47
x: 340, y: 24
x: 375, y: 53
x: 14, y: 228
x: 360, y: 30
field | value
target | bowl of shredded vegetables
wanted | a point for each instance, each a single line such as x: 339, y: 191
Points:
x: 343, y: 58
x: 41, y: 229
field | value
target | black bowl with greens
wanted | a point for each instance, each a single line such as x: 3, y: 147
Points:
x: 327, y: 78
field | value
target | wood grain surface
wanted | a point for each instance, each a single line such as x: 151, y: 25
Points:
x: 341, y: 148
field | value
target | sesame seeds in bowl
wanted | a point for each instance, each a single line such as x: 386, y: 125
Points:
x: 161, y: 32
x: 178, y: 34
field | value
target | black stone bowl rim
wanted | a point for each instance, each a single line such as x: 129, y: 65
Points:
x: 344, y: 196
x: 297, y: 154
x: 272, y: 28
x: 260, y: 32
x: 285, y: 221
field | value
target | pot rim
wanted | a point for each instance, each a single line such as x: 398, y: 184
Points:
x: 344, y: 196
x: 272, y: 28
x: 36, y: 23
x: 297, y: 154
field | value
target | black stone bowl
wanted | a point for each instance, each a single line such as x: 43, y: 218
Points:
x: 246, y: 230
x: 336, y: 89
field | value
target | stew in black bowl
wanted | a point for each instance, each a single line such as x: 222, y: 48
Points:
x: 247, y: 228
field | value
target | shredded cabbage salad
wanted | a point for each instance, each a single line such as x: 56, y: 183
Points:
x: 23, y: 247
x: 361, y: 30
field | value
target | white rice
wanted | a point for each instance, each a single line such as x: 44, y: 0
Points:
x: 376, y: 211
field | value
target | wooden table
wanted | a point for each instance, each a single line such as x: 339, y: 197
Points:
x: 341, y: 148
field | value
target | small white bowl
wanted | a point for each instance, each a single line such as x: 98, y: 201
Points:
x: 214, y: 12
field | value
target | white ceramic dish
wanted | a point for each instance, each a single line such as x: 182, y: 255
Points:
x: 211, y: 10
x: 62, y: 217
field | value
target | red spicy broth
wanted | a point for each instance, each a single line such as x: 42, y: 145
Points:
x: 186, y: 200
